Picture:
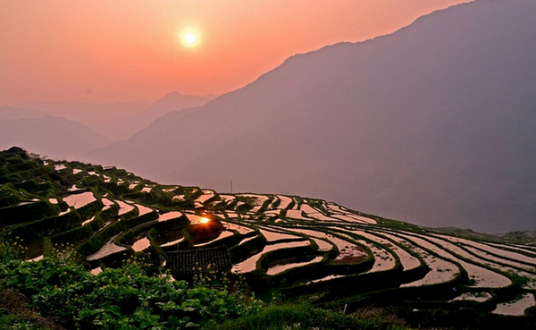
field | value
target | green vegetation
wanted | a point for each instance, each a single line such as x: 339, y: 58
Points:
x: 128, y: 298
x: 122, y: 298
x: 302, y: 317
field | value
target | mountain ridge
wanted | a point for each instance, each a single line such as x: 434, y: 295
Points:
x: 430, y: 124
x: 57, y: 137
x: 118, y: 121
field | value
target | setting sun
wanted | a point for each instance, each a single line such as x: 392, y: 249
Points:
x: 190, y: 38
x: 204, y: 220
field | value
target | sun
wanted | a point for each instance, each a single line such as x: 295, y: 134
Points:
x: 189, y: 38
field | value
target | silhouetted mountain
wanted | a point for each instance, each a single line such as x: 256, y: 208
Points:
x: 58, y: 138
x: 433, y: 124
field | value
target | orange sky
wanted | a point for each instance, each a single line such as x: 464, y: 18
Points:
x: 129, y: 50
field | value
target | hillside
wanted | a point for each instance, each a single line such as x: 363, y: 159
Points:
x: 304, y: 249
x: 433, y: 124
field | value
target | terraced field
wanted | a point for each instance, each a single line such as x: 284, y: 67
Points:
x: 303, y: 248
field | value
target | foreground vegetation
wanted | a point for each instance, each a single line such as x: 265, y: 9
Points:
x: 55, y: 293
x: 122, y: 298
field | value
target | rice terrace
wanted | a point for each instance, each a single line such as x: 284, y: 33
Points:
x: 288, y: 249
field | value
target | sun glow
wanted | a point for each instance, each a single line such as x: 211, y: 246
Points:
x: 204, y: 220
x: 190, y: 38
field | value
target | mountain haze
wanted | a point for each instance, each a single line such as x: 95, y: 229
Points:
x: 433, y: 124
x: 8, y: 113
x: 53, y: 136
x: 118, y: 121
x: 173, y: 101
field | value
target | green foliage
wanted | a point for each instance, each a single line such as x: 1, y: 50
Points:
x: 298, y: 317
x: 518, y: 280
x: 125, y: 298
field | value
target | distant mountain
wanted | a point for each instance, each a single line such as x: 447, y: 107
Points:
x: 106, y: 119
x: 176, y: 101
x: 7, y: 113
x: 55, y: 137
x: 433, y: 124
x: 119, y: 121
x: 173, y: 101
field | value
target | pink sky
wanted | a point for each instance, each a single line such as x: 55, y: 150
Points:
x: 130, y: 50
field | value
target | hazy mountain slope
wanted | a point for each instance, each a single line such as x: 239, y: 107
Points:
x: 55, y: 137
x: 433, y: 124
x: 7, y: 113
x: 173, y: 101
x: 119, y: 121
x: 106, y: 119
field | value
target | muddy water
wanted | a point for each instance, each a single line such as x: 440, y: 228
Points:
x: 407, y: 260
x: 143, y: 210
x: 109, y: 248
x: 516, y: 307
x: 483, y: 277
x: 281, y: 268
x: 79, y: 200
x: 141, y: 244
x: 88, y: 221
x: 272, y: 236
x: 240, y: 229
x: 107, y: 204
x: 124, y: 208
x: 223, y: 235
x: 172, y: 242
x: 250, y: 264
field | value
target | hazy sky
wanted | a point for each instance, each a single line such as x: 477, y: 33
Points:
x: 131, y: 50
